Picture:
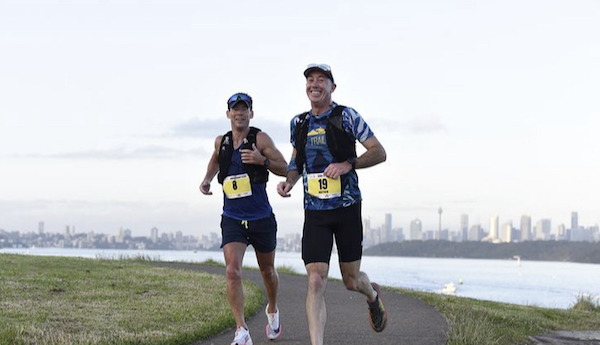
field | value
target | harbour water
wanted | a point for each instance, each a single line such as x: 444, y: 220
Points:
x: 540, y: 283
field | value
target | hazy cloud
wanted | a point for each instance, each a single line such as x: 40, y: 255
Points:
x: 105, y: 216
x: 196, y: 128
x: 428, y: 123
x: 422, y: 124
x: 145, y: 152
x: 210, y: 128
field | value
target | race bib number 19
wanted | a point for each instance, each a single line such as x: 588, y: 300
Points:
x: 237, y: 186
x: 324, y: 187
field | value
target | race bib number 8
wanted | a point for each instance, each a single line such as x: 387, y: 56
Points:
x: 323, y: 187
x: 237, y: 186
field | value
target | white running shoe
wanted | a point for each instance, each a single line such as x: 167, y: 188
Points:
x: 273, y: 328
x: 242, y: 337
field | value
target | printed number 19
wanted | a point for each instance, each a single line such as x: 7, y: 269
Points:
x: 323, y: 184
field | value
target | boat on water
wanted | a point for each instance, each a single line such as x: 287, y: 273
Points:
x: 449, y: 288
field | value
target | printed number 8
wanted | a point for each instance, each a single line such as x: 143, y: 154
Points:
x: 234, y: 184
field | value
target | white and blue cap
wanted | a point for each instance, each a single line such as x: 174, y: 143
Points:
x: 321, y: 67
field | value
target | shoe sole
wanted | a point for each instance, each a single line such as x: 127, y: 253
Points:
x: 249, y: 342
x: 376, y: 287
x: 269, y: 335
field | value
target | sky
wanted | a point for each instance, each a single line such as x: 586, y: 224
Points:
x: 109, y: 109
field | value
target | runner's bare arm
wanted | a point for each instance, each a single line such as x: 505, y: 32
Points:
x: 212, y: 169
x: 292, y: 176
x: 374, y: 155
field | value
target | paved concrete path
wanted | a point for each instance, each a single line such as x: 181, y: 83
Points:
x: 568, y: 338
x: 411, y: 321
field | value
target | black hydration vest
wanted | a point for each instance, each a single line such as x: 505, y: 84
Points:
x: 257, y: 174
x: 340, y: 143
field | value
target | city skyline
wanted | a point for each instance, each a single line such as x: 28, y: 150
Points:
x: 498, y: 231
x: 388, y: 221
x: 110, y: 110
x: 373, y: 236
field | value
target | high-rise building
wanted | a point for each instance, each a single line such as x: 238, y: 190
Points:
x: 525, y: 227
x: 542, y: 229
x: 444, y: 235
x: 416, y: 230
x: 582, y: 234
x: 41, y: 228
x: 561, y: 233
x: 123, y: 235
x: 494, y: 227
x: 475, y: 233
x: 387, y: 228
x: 366, y: 225
x: 506, y: 233
x: 574, y: 221
x: 154, y: 234
x: 397, y: 235
x: 439, y: 232
x: 464, y: 227
x: 370, y: 236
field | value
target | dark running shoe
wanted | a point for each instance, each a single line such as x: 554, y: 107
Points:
x: 377, y: 313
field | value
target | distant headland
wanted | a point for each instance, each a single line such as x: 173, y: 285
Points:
x: 581, y: 252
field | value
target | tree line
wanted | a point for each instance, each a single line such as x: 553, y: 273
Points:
x: 582, y: 252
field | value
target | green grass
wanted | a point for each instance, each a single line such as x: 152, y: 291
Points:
x: 586, y: 303
x: 59, y: 301
x: 287, y: 270
x: 476, y: 322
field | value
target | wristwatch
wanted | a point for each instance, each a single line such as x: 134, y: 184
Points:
x: 267, y: 162
x: 352, y: 161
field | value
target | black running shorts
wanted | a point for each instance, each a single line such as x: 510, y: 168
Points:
x: 320, y: 228
x: 261, y: 234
